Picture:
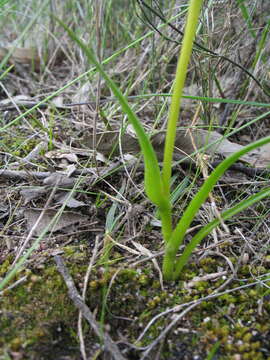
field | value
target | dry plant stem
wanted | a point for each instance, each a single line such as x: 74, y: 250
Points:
x: 12, y: 286
x: 25, y: 175
x: 86, y: 279
x: 161, y: 253
x: 7, y: 224
x: 19, y: 111
x: 167, y: 329
x: 74, y: 295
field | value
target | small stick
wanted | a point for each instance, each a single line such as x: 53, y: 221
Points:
x: 84, y: 309
x: 85, y: 283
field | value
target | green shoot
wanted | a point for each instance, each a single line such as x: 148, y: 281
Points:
x: 192, y: 209
x: 157, y: 184
x: 180, y: 77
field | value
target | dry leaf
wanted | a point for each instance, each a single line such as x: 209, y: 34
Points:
x: 82, y: 94
x: 18, y: 99
x: 26, y: 56
x: 58, y: 154
x: 208, y: 277
x: 66, y: 219
x: 107, y: 143
x: 261, y: 156
x: 59, y: 180
x: 72, y: 158
x: 186, y: 143
x: 68, y: 170
x: 100, y: 157
x: 58, y: 101
x: 147, y: 252
x: 33, y: 192
x: 64, y: 198
x: 4, y: 211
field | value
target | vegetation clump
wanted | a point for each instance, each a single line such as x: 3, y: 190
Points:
x: 73, y: 184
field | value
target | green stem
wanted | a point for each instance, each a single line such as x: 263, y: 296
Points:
x: 193, y: 207
x: 166, y: 220
x: 181, y: 72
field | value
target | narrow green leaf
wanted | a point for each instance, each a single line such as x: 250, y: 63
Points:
x: 178, y: 234
x: 244, y: 204
x: 152, y: 177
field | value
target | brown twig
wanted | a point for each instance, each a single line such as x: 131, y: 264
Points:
x: 86, y: 313
x: 85, y: 283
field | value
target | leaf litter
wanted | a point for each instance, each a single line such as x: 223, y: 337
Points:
x: 67, y: 219
x: 135, y: 296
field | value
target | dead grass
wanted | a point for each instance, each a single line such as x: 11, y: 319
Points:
x: 51, y: 170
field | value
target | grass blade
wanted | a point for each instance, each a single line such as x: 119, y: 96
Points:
x: 152, y: 177
x: 210, y: 226
x: 178, y: 234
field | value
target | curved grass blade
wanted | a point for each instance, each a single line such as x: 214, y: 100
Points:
x: 178, y: 234
x: 152, y: 177
x: 244, y: 204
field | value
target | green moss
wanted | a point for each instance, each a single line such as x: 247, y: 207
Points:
x: 70, y: 250
x: 201, y: 285
x: 4, y: 267
x: 32, y: 308
x: 228, y: 298
x: 143, y: 280
x: 244, y: 270
x: 208, y: 264
x: 41, y: 305
x: 127, y: 275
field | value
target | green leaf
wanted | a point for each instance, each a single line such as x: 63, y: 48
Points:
x: 152, y: 177
x: 244, y: 204
x: 178, y: 234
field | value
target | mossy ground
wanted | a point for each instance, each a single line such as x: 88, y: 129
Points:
x: 39, y: 321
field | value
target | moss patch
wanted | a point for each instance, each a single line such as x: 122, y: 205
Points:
x: 39, y: 321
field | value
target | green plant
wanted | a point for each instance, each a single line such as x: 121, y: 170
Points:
x: 157, y: 183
